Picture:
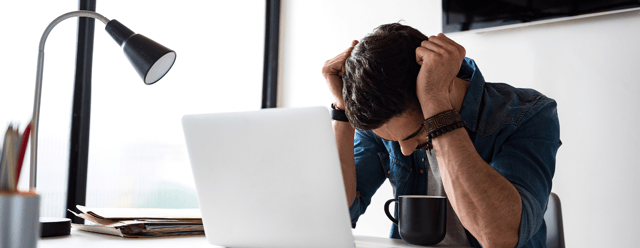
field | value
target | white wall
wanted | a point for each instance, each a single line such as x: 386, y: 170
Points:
x: 587, y: 65
x: 314, y: 31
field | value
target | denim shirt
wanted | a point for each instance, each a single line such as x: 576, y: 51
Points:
x: 516, y: 131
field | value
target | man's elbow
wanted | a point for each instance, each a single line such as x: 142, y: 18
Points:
x: 352, y: 197
x: 500, y: 240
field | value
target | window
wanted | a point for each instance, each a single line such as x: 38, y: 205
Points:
x: 24, y: 22
x: 137, y: 153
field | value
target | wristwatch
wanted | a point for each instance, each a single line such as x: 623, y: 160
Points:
x: 338, y: 115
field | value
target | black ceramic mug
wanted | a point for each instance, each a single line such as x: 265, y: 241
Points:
x: 422, y: 220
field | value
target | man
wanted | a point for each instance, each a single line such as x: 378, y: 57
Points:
x: 496, y: 171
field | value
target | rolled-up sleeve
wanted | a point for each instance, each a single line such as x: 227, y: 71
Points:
x: 527, y: 158
x: 369, y: 172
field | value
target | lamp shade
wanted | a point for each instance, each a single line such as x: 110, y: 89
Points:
x: 150, y: 59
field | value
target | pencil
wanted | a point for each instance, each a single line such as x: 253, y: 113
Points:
x: 23, y: 149
x: 6, y: 154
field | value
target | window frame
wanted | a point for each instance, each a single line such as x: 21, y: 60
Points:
x: 80, y: 123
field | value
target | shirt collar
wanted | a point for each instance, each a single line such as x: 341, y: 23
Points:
x: 470, y: 106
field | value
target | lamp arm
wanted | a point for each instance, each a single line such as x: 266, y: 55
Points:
x: 36, y: 103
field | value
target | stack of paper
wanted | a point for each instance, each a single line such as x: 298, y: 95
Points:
x: 141, y: 222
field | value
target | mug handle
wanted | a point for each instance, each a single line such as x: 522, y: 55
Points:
x: 386, y: 210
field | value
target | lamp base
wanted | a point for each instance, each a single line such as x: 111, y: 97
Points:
x: 51, y: 227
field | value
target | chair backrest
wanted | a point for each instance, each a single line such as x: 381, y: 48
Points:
x: 553, y: 218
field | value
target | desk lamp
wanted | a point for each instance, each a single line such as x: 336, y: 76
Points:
x: 150, y: 59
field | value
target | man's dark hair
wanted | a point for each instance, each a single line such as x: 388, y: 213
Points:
x: 380, y: 76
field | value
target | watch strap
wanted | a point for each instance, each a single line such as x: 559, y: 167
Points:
x: 338, y: 115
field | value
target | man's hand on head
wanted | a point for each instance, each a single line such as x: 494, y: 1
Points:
x: 332, y: 72
x: 440, y: 58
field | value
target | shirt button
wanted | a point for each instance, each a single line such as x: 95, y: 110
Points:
x: 388, y: 172
x: 424, y: 159
x: 421, y: 171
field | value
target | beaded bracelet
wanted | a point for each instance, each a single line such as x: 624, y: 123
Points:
x: 440, y: 124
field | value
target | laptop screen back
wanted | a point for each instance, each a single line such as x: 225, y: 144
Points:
x: 269, y: 178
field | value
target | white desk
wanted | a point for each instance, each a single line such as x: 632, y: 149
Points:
x: 86, y: 239
x: 94, y: 240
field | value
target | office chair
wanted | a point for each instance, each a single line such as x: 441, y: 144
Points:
x: 553, y: 219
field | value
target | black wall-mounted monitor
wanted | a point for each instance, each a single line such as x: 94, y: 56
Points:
x: 463, y: 15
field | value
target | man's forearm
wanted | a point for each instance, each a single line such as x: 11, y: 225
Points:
x: 344, y: 137
x: 488, y: 205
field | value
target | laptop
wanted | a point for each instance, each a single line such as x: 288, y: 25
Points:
x: 271, y: 178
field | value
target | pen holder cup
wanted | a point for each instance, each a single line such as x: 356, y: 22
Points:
x: 19, y: 219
